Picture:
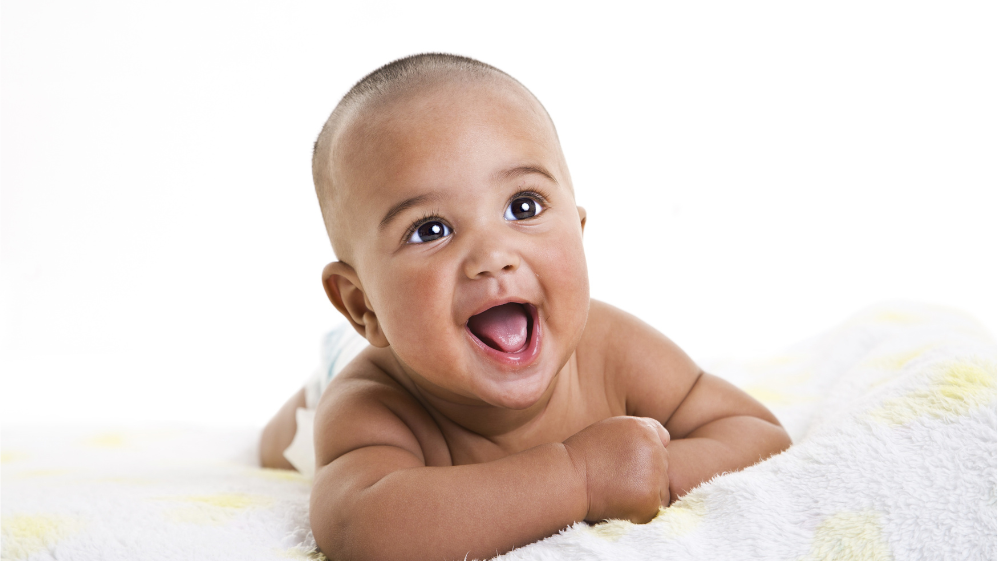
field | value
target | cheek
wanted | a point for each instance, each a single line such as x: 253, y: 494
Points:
x: 412, y: 301
x: 563, y: 271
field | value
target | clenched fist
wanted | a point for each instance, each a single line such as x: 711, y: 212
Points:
x: 626, y: 467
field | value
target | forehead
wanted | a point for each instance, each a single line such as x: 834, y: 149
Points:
x: 440, y: 137
x: 437, y: 124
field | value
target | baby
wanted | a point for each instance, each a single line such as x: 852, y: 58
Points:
x: 496, y: 402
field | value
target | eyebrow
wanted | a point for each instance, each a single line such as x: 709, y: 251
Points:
x: 524, y: 170
x: 406, y: 205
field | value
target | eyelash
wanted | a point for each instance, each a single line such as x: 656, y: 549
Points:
x: 537, y: 196
x: 428, y: 217
x: 434, y: 216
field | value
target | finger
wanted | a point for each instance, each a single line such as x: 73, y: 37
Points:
x: 664, y: 493
x: 663, y: 434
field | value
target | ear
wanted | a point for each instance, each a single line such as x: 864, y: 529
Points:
x: 346, y: 293
x: 582, y: 217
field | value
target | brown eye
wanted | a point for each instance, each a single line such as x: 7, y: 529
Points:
x: 522, y: 208
x: 429, y: 231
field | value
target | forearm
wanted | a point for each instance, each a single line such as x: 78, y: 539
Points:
x: 476, y: 510
x: 724, y: 445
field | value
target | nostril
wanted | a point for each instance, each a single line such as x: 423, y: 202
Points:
x: 490, y: 260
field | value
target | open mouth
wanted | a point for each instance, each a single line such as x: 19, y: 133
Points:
x: 507, y: 329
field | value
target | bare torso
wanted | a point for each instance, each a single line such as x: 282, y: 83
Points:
x: 581, y: 395
x: 597, y: 445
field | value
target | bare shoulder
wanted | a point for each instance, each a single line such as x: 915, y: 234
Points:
x: 364, y: 407
x: 640, y: 364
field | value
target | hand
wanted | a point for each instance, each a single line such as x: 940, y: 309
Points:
x: 626, y: 467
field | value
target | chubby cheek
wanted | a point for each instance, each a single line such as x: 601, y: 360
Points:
x: 564, y: 276
x: 414, y: 311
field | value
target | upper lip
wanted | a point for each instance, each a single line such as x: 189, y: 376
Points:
x: 498, y: 302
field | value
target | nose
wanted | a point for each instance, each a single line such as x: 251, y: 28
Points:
x: 491, y: 256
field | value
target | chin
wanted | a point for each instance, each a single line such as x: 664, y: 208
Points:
x: 520, y: 394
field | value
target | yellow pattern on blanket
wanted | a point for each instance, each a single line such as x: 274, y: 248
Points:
x: 850, y: 536
x: 27, y: 534
x: 214, y: 509
x: 957, y: 389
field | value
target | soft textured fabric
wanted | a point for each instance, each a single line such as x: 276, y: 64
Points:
x: 892, y: 414
x: 893, y: 419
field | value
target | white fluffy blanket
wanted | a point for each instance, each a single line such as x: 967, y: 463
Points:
x: 892, y: 414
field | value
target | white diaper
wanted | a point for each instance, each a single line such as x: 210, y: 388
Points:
x: 339, y: 347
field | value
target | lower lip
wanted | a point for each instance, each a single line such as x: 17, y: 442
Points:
x: 522, y: 357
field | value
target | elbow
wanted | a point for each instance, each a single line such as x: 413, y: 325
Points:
x: 770, y: 439
x: 786, y: 442
x: 779, y: 440
x: 355, y: 529
x: 325, y: 538
x: 338, y: 535
x: 330, y: 532
x: 336, y: 538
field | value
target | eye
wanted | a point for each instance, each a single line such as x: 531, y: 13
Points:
x: 429, y: 231
x: 522, y: 208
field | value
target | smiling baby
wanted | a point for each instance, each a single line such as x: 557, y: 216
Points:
x: 496, y: 402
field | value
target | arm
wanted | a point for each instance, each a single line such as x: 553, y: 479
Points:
x: 379, y: 502
x: 279, y: 433
x: 376, y: 496
x: 715, y: 427
x: 719, y: 428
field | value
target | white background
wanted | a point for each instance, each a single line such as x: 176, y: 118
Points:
x: 754, y: 172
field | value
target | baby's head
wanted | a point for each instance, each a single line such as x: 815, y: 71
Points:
x: 449, y: 205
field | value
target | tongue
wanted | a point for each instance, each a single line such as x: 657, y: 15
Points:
x: 503, y: 328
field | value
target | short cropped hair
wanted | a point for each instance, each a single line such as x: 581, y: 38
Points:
x: 393, y: 79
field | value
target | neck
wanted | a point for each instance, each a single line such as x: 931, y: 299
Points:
x: 507, y: 428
